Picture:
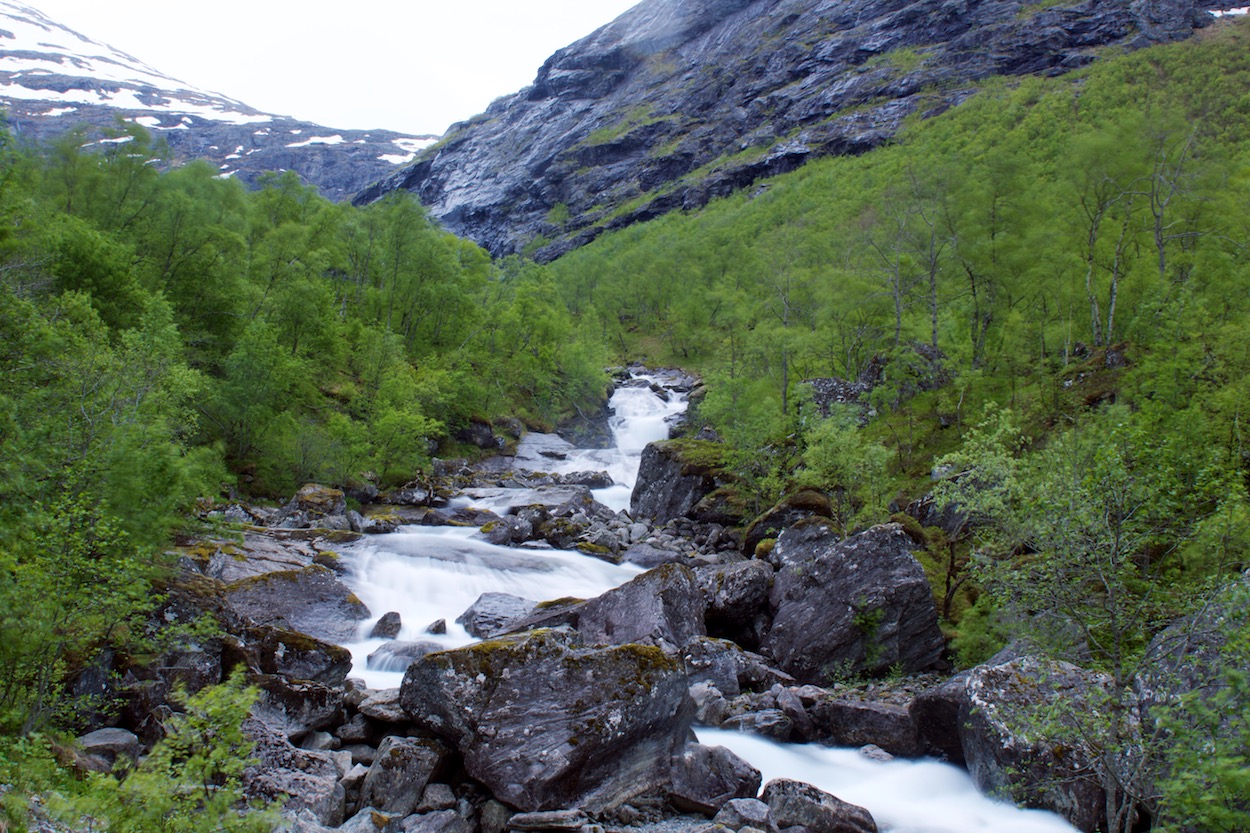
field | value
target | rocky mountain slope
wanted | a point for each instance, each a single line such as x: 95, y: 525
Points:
x: 53, y: 79
x: 680, y: 101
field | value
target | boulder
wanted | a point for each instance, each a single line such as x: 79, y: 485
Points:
x: 546, y: 723
x: 384, y: 707
x: 259, y: 553
x: 744, y: 812
x: 769, y: 723
x: 495, y: 613
x: 704, y: 778
x: 400, y: 772
x: 673, y: 476
x: 1016, y: 745
x: 848, y: 607
x: 397, y: 656
x: 298, y: 656
x: 439, y: 821
x: 737, y: 599
x: 372, y: 820
x: 312, y: 601
x: 795, y: 804
x: 861, y: 723
x: 111, y: 745
x: 936, y: 715
x: 647, y: 556
x: 296, y: 708
x: 730, y: 668
x: 312, y: 506
x: 661, y: 607
x: 304, y: 779
x: 387, y: 627
x: 803, y: 504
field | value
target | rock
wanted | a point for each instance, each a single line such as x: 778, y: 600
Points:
x: 438, y: 821
x: 936, y: 715
x: 372, y: 820
x: 387, y: 627
x: 769, y: 723
x: 704, y: 778
x: 437, y: 628
x: 547, y: 164
x: 730, y: 668
x: 549, y: 820
x: 859, y: 606
x: 305, y: 779
x: 479, y: 433
x: 737, y: 599
x: 1008, y: 755
x: 436, y: 797
x: 298, y: 656
x: 259, y: 553
x: 738, y: 813
x: 400, y: 772
x: 111, y: 744
x: 296, y: 708
x: 384, y: 706
x: 859, y: 723
x: 806, y: 503
x: 795, y: 804
x: 312, y: 601
x: 545, y: 723
x: 495, y: 613
x: 647, y: 556
x: 311, y: 507
x: 397, y: 656
x: 673, y: 476
x: 661, y: 607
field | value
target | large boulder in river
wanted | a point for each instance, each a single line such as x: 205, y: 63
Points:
x: 494, y: 613
x: 793, y: 804
x: 737, y: 599
x: 662, y: 607
x: 673, y: 476
x: 311, y: 601
x: 848, y: 607
x: 1017, y: 745
x: 546, y: 723
x: 705, y: 778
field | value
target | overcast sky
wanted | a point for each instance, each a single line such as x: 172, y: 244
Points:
x: 415, y: 66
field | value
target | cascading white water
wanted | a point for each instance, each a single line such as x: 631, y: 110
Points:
x: 431, y: 573
x: 921, y: 796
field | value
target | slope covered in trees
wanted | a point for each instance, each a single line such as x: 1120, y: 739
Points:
x: 1043, y: 290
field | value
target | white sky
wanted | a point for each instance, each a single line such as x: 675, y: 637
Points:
x: 415, y: 66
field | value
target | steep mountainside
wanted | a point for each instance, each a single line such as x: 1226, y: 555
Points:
x: 678, y: 101
x: 53, y: 79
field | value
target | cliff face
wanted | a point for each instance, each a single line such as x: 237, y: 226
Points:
x: 679, y: 101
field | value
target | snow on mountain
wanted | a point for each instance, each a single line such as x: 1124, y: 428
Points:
x: 53, y: 79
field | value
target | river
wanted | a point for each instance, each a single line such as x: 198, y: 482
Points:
x: 433, y: 573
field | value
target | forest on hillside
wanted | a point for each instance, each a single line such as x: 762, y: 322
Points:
x: 1046, y: 289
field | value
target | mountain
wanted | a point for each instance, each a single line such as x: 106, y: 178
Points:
x: 680, y: 101
x: 53, y: 79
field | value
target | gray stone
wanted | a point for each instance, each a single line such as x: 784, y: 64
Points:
x: 669, y: 483
x: 397, y: 656
x: 545, y: 723
x: 858, y: 723
x: 304, y: 779
x: 770, y: 723
x: 845, y: 607
x: 111, y: 744
x: 705, y: 777
x: 436, y: 797
x: 372, y: 820
x: 738, y: 813
x: 495, y: 613
x: 384, y: 706
x: 311, y: 600
x: 399, y: 773
x: 661, y: 607
x: 387, y: 627
x: 795, y: 804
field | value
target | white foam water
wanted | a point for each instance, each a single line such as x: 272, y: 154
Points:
x: 904, y: 796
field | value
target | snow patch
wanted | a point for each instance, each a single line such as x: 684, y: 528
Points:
x: 397, y: 158
x: 1240, y: 10
x: 414, y: 145
x: 317, y: 140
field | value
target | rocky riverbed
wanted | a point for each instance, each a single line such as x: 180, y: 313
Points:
x: 572, y: 713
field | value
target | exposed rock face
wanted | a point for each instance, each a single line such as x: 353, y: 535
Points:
x: 662, y: 607
x: 545, y: 723
x: 625, y: 124
x: 310, y: 600
x: 1000, y: 731
x: 857, y: 606
x: 672, y: 479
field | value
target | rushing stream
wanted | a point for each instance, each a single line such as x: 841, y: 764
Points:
x: 432, y: 573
